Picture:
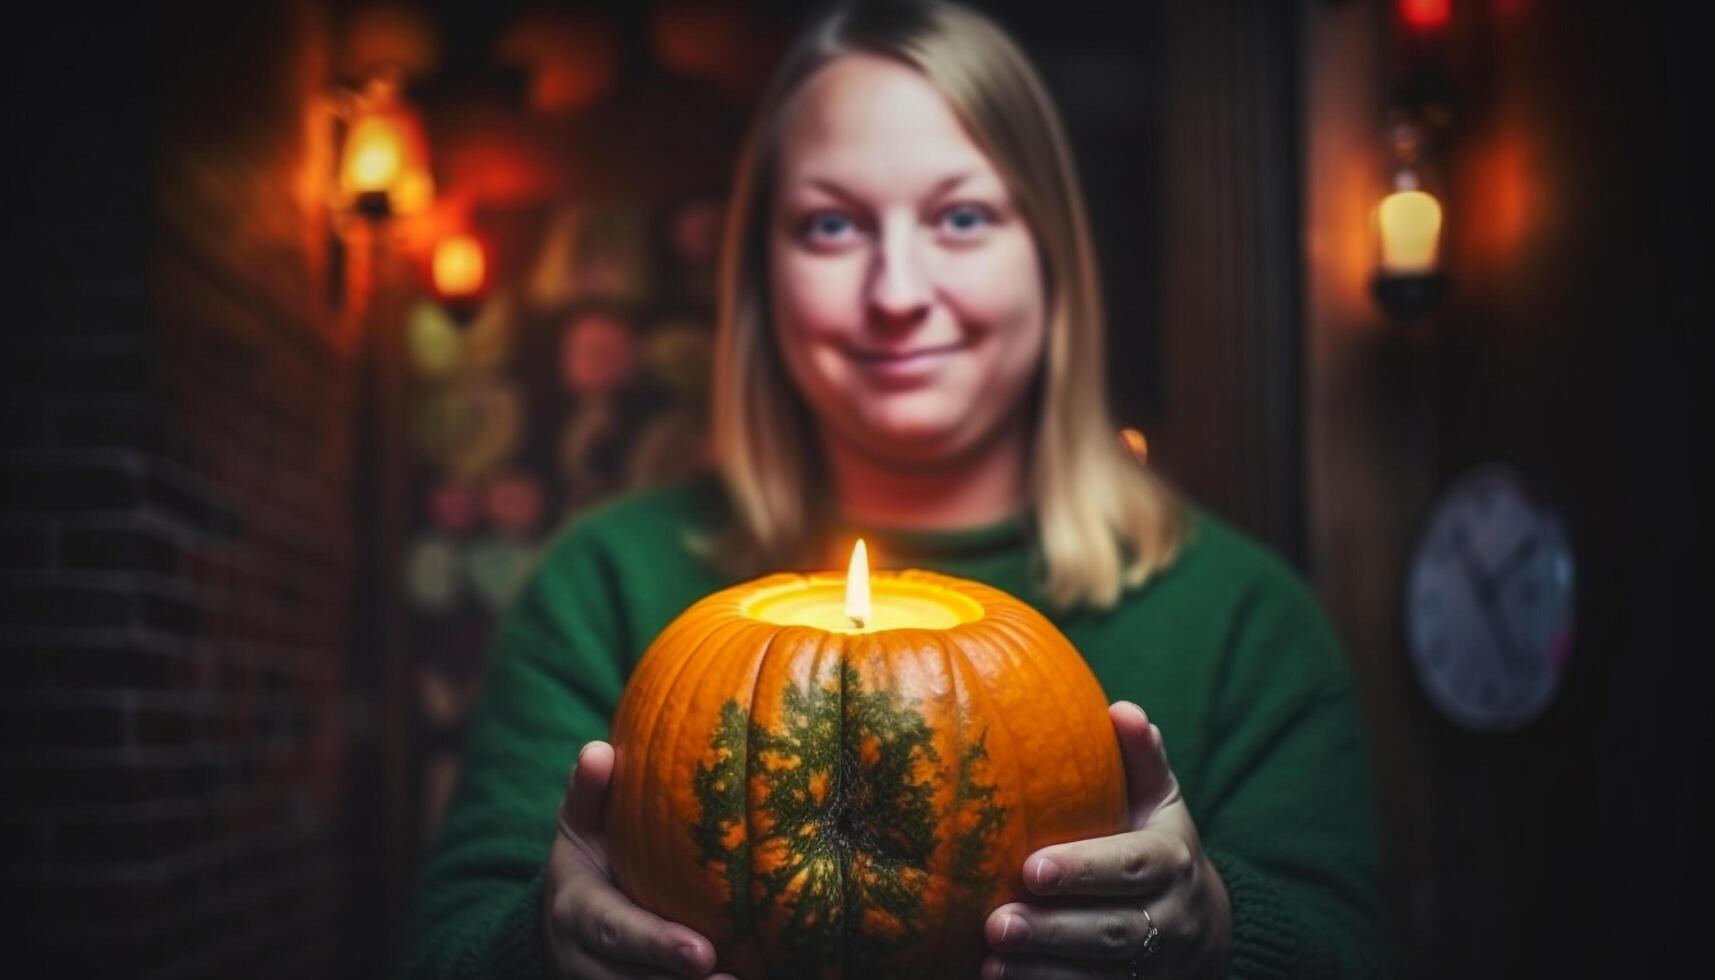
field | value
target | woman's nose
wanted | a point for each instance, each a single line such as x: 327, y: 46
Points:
x: 899, y: 291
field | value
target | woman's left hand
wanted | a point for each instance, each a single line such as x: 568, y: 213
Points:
x: 1092, y: 922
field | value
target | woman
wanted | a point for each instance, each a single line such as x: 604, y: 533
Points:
x: 910, y: 348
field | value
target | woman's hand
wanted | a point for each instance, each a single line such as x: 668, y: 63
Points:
x: 592, y: 931
x: 1092, y: 922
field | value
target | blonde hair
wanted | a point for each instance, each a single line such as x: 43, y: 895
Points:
x: 1102, y: 522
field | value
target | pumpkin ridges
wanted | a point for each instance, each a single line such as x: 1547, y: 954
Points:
x: 1008, y: 848
x: 683, y: 745
x: 1048, y: 719
x: 638, y: 706
x: 794, y: 670
x: 656, y: 679
x: 1082, y: 746
x: 644, y: 820
x: 952, y: 733
x: 729, y: 913
x: 888, y: 729
x: 1087, y: 734
x: 1054, y: 769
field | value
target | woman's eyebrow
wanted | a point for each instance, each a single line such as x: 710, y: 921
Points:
x: 941, y: 187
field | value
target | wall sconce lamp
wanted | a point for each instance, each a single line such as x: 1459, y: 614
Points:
x: 458, y: 271
x: 1408, y: 282
x: 384, y: 156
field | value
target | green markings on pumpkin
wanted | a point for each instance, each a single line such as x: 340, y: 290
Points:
x: 974, y: 803
x: 720, y: 832
x: 845, y: 824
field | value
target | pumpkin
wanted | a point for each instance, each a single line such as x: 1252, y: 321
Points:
x: 827, y: 803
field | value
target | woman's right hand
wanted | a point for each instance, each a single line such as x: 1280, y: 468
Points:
x: 592, y: 931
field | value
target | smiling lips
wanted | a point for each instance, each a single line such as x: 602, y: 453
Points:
x: 905, y: 357
x: 905, y: 366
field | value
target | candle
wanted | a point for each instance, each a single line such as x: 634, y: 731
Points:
x: 846, y: 771
x: 852, y: 605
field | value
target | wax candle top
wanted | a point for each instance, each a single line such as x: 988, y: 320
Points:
x: 820, y: 601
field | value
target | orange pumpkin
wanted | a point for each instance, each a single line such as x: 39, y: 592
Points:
x: 828, y: 803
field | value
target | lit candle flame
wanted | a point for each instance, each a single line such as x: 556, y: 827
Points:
x: 857, y: 586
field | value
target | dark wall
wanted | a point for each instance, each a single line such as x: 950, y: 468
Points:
x: 1574, y: 346
x: 179, y: 478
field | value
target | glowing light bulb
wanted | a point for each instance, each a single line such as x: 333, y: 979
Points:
x: 459, y: 267
x: 1410, y: 223
x: 384, y: 162
x: 375, y: 155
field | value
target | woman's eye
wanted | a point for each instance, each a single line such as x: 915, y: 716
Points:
x: 826, y: 225
x: 965, y: 218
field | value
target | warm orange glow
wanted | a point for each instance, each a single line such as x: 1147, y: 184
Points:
x: 384, y: 164
x: 374, y: 155
x: 460, y: 267
x: 413, y: 192
x: 857, y: 603
x: 818, y: 601
x: 496, y: 162
x: 572, y: 58
x: 1426, y: 15
x: 1135, y: 443
x: 1410, y: 227
x: 857, y: 586
x: 1503, y: 181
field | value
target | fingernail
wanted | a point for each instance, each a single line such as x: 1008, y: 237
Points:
x: 993, y: 968
x: 1013, y: 930
x: 693, y: 956
x: 1048, y: 875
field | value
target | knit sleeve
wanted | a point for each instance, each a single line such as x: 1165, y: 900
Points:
x: 1287, y: 815
x: 554, y: 678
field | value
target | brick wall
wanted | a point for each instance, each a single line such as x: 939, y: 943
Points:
x: 177, y: 532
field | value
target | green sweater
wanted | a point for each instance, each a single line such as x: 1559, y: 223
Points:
x: 1227, y: 650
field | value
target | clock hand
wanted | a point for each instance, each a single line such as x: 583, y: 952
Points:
x: 1521, y: 553
x: 1511, y: 659
x: 1470, y: 562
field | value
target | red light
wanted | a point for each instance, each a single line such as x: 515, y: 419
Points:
x: 1426, y: 15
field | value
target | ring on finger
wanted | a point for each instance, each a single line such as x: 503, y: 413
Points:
x: 1147, y: 948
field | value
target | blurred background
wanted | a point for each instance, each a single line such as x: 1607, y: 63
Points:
x: 336, y: 311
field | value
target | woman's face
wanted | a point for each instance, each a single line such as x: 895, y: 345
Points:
x: 906, y: 295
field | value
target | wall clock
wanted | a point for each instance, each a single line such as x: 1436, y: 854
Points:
x: 1489, y: 602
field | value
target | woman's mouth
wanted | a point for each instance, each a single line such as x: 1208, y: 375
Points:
x: 906, y: 365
